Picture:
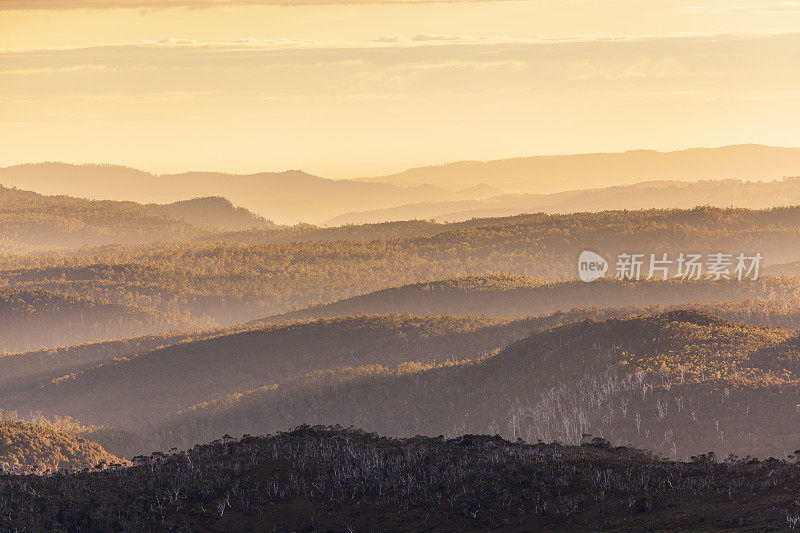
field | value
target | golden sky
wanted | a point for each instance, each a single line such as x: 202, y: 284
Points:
x: 356, y: 89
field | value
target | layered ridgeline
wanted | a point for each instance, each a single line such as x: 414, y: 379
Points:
x: 134, y: 388
x: 30, y: 320
x: 294, y: 196
x: 679, y: 383
x: 31, y: 221
x: 346, y: 480
x: 521, y: 296
x: 645, y: 195
x: 637, y: 179
x: 27, y: 369
x: 228, y: 282
x: 286, y: 197
x: 552, y: 173
x: 659, y: 381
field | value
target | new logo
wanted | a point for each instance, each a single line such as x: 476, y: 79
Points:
x: 591, y: 266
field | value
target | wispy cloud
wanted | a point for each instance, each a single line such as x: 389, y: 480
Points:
x: 53, y: 70
x: 473, y: 65
x: 788, y: 5
x: 783, y: 5
x: 413, y: 41
x: 194, y: 4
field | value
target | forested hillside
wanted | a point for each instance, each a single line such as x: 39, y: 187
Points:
x: 345, y: 370
x: 678, y: 383
x: 137, y: 389
x: 227, y: 282
x: 340, y: 480
x: 519, y: 296
x: 211, y: 213
x: 389, y: 348
x: 41, y: 446
x: 28, y: 369
x: 33, y: 319
x: 31, y: 221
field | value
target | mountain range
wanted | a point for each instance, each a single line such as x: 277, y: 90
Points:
x: 284, y: 197
x: 554, y: 173
x: 644, y: 195
x: 453, y: 191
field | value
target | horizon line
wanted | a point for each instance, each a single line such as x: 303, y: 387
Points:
x: 402, y: 169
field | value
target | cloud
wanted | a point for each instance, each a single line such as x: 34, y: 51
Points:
x: 415, y: 41
x: 194, y: 4
x: 474, y: 65
x: 789, y: 5
x: 434, y: 39
x: 423, y: 37
x: 54, y: 70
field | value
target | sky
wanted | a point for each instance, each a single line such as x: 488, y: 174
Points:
x: 368, y: 88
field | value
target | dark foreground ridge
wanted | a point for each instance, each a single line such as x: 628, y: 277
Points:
x: 332, y: 479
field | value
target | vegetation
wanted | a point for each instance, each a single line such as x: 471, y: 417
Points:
x: 210, y: 214
x: 137, y: 389
x: 33, y: 319
x: 27, y: 369
x: 521, y: 296
x: 677, y: 383
x: 642, y: 195
x: 158, y: 345
x: 31, y: 221
x: 42, y: 446
x: 354, y: 370
x: 345, y: 480
x: 225, y: 283
x: 286, y: 197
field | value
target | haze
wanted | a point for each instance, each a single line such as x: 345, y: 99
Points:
x: 311, y: 265
x: 344, y: 90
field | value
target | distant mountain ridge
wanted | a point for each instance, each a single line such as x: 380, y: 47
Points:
x: 643, y: 195
x: 454, y: 189
x: 554, y: 173
x: 285, y: 197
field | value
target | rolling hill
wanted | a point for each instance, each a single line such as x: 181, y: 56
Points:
x: 520, y: 296
x: 27, y: 369
x: 678, y: 383
x: 31, y: 320
x: 134, y: 390
x: 226, y: 282
x: 439, y: 375
x: 211, y: 213
x: 347, y: 480
x: 31, y: 221
x: 39, y: 447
